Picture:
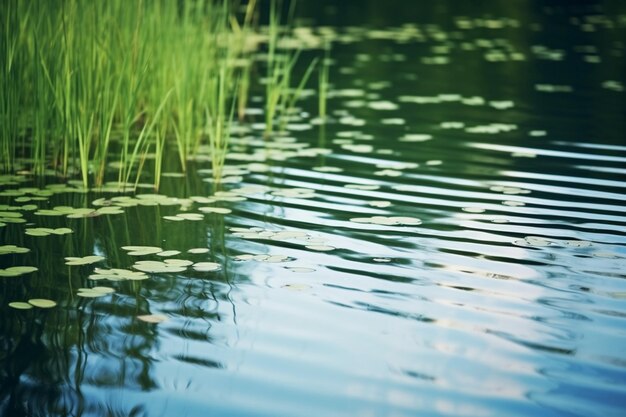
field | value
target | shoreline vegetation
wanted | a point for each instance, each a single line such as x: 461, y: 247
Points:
x: 88, y: 89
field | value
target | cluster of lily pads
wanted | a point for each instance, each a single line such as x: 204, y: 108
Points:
x: 166, y: 266
x: 293, y: 236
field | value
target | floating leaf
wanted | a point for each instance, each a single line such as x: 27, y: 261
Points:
x: 15, y: 271
x: 20, y: 305
x: 206, y: 266
x: 191, y: 216
x: 178, y: 262
x: 388, y: 221
x: 321, y: 248
x: 158, y: 267
x: 6, y: 249
x: 95, y: 292
x: 42, y: 302
x: 167, y: 253
x: 216, y: 210
x: 84, y: 260
x: 142, y: 250
x: 379, y: 203
x: 174, y: 218
x: 198, y: 250
x: 116, y: 274
x: 153, y: 318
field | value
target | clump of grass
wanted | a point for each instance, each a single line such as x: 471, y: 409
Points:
x: 280, y: 96
x: 80, y: 80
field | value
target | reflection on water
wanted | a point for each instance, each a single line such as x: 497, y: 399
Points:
x: 450, y: 242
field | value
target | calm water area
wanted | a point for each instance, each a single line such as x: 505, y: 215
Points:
x: 450, y: 242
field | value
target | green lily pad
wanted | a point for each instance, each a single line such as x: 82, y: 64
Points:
x: 95, y: 292
x: 167, y: 253
x: 206, y: 266
x: 6, y: 249
x: 84, y: 260
x: 45, y: 231
x: 198, y: 250
x: 157, y: 267
x: 42, y: 302
x: 20, y: 305
x: 216, y: 210
x: 142, y: 250
x: 15, y: 271
x: 116, y: 274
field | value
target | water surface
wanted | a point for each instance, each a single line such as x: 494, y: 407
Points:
x: 451, y: 242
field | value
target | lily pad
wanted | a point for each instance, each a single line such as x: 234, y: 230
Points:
x: 95, y: 292
x: 388, y: 221
x: 116, y: 274
x: 142, y: 250
x: 167, y: 253
x: 157, y: 267
x: 320, y: 248
x: 6, y: 249
x: 216, y: 210
x: 84, y: 260
x: 206, y: 266
x: 20, y: 305
x: 45, y: 231
x: 198, y: 250
x: 42, y: 302
x: 15, y: 271
x: 153, y: 318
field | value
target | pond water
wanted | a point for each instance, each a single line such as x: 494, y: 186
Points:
x: 451, y: 242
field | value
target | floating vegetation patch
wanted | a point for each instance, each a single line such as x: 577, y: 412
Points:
x: 15, y: 271
x: 294, y: 193
x: 206, y: 266
x: 508, y: 190
x: 379, y: 203
x: 95, y: 292
x: 538, y: 241
x: 85, y: 260
x: 20, y: 305
x: 415, y: 137
x: 388, y: 221
x: 263, y: 258
x: 168, y: 266
x: 11, y: 217
x: 552, y: 88
x: 153, y: 318
x: 198, y: 250
x: 117, y: 274
x: 42, y: 302
x: 215, y: 210
x: 492, y: 128
x: 7, y: 249
x: 44, y: 231
x: 185, y: 216
x: 142, y: 250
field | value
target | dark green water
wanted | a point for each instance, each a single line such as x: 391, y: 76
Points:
x: 493, y: 138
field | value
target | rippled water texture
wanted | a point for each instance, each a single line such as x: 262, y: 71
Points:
x: 451, y: 243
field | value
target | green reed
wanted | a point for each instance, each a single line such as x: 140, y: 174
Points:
x: 82, y: 80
